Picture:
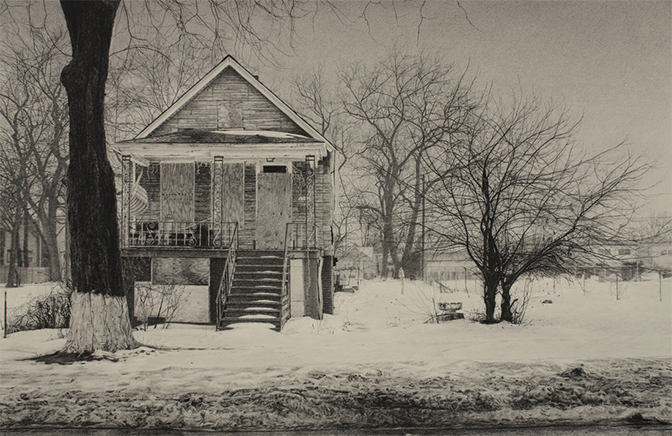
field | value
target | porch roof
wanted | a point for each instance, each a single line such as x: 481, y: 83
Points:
x: 231, y: 144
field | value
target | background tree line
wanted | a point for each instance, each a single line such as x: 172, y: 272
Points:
x: 502, y: 178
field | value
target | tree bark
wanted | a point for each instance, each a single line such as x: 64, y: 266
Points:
x: 489, y: 297
x: 99, y: 317
x: 25, y: 255
x: 13, y: 279
x: 506, y: 314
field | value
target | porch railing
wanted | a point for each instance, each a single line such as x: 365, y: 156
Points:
x: 285, y: 300
x: 229, y: 270
x: 300, y: 236
x: 204, y: 234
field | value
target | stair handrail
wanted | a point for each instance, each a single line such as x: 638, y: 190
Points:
x: 226, y: 281
x: 285, y: 310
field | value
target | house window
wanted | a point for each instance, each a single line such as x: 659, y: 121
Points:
x: 275, y: 168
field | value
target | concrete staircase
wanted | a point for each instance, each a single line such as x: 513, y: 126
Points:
x: 256, y: 291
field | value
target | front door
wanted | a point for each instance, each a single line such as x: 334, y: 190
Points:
x: 274, y: 202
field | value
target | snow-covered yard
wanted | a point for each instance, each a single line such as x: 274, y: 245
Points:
x: 377, y: 344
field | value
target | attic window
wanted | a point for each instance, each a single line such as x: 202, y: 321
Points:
x: 230, y: 115
x: 275, y: 168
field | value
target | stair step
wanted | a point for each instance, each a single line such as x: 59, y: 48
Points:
x: 265, y: 269
x: 227, y: 320
x: 264, y: 300
x: 258, y: 254
x: 261, y: 297
x: 255, y: 296
x: 251, y: 284
x: 258, y: 275
x: 252, y: 310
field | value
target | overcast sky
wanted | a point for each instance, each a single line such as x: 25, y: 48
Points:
x: 608, y: 61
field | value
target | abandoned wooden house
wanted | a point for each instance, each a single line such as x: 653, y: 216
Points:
x: 229, y: 193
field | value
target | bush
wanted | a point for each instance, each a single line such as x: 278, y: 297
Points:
x: 156, y: 304
x: 44, y: 312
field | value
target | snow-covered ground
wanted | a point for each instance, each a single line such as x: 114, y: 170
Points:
x: 377, y: 332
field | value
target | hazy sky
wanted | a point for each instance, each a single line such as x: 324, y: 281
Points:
x: 608, y: 61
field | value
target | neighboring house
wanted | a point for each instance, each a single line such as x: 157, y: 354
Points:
x: 33, y: 263
x: 229, y: 193
x: 656, y: 253
x: 355, y: 263
x: 449, y: 264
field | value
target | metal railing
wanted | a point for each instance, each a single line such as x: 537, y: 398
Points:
x: 229, y: 270
x: 300, y: 236
x: 204, y: 234
x: 285, y: 300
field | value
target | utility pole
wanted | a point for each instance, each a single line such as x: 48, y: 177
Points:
x: 422, y: 254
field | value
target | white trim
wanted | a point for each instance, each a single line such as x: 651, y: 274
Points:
x: 229, y: 61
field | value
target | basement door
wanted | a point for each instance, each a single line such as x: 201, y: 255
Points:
x: 274, y: 202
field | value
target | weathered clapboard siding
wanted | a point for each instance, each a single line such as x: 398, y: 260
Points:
x: 233, y: 193
x: 323, y: 207
x: 177, y: 192
x: 220, y: 105
x: 328, y: 285
x: 202, y: 192
x: 247, y: 233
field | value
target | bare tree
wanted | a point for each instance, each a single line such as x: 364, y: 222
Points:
x: 519, y: 195
x: 316, y: 100
x: 404, y: 104
x: 34, y: 113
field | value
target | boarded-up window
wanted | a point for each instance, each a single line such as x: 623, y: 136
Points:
x: 232, y: 193
x: 230, y: 115
x: 180, y: 271
x: 177, y: 192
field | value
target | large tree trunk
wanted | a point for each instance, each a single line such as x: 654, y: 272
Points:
x: 51, y: 236
x: 13, y: 279
x: 99, y: 315
x: 25, y: 252
x: 506, y: 314
x: 489, y: 297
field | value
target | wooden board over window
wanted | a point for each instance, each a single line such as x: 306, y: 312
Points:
x: 273, y: 209
x: 177, y: 192
x: 233, y: 193
x: 180, y: 271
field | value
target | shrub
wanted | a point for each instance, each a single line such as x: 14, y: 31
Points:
x: 156, y: 304
x: 43, y: 312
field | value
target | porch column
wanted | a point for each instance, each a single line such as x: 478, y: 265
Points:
x: 126, y: 180
x: 311, y: 221
x: 218, y: 170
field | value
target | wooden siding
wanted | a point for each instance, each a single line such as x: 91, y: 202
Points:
x: 323, y: 200
x: 324, y: 204
x: 328, y: 285
x: 273, y: 209
x: 202, y: 192
x: 250, y: 185
x: 233, y: 193
x: 180, y: 271
x: 177, y: 192
x: 230, y: 102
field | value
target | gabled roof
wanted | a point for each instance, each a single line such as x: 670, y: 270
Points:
x: 230, y: 62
